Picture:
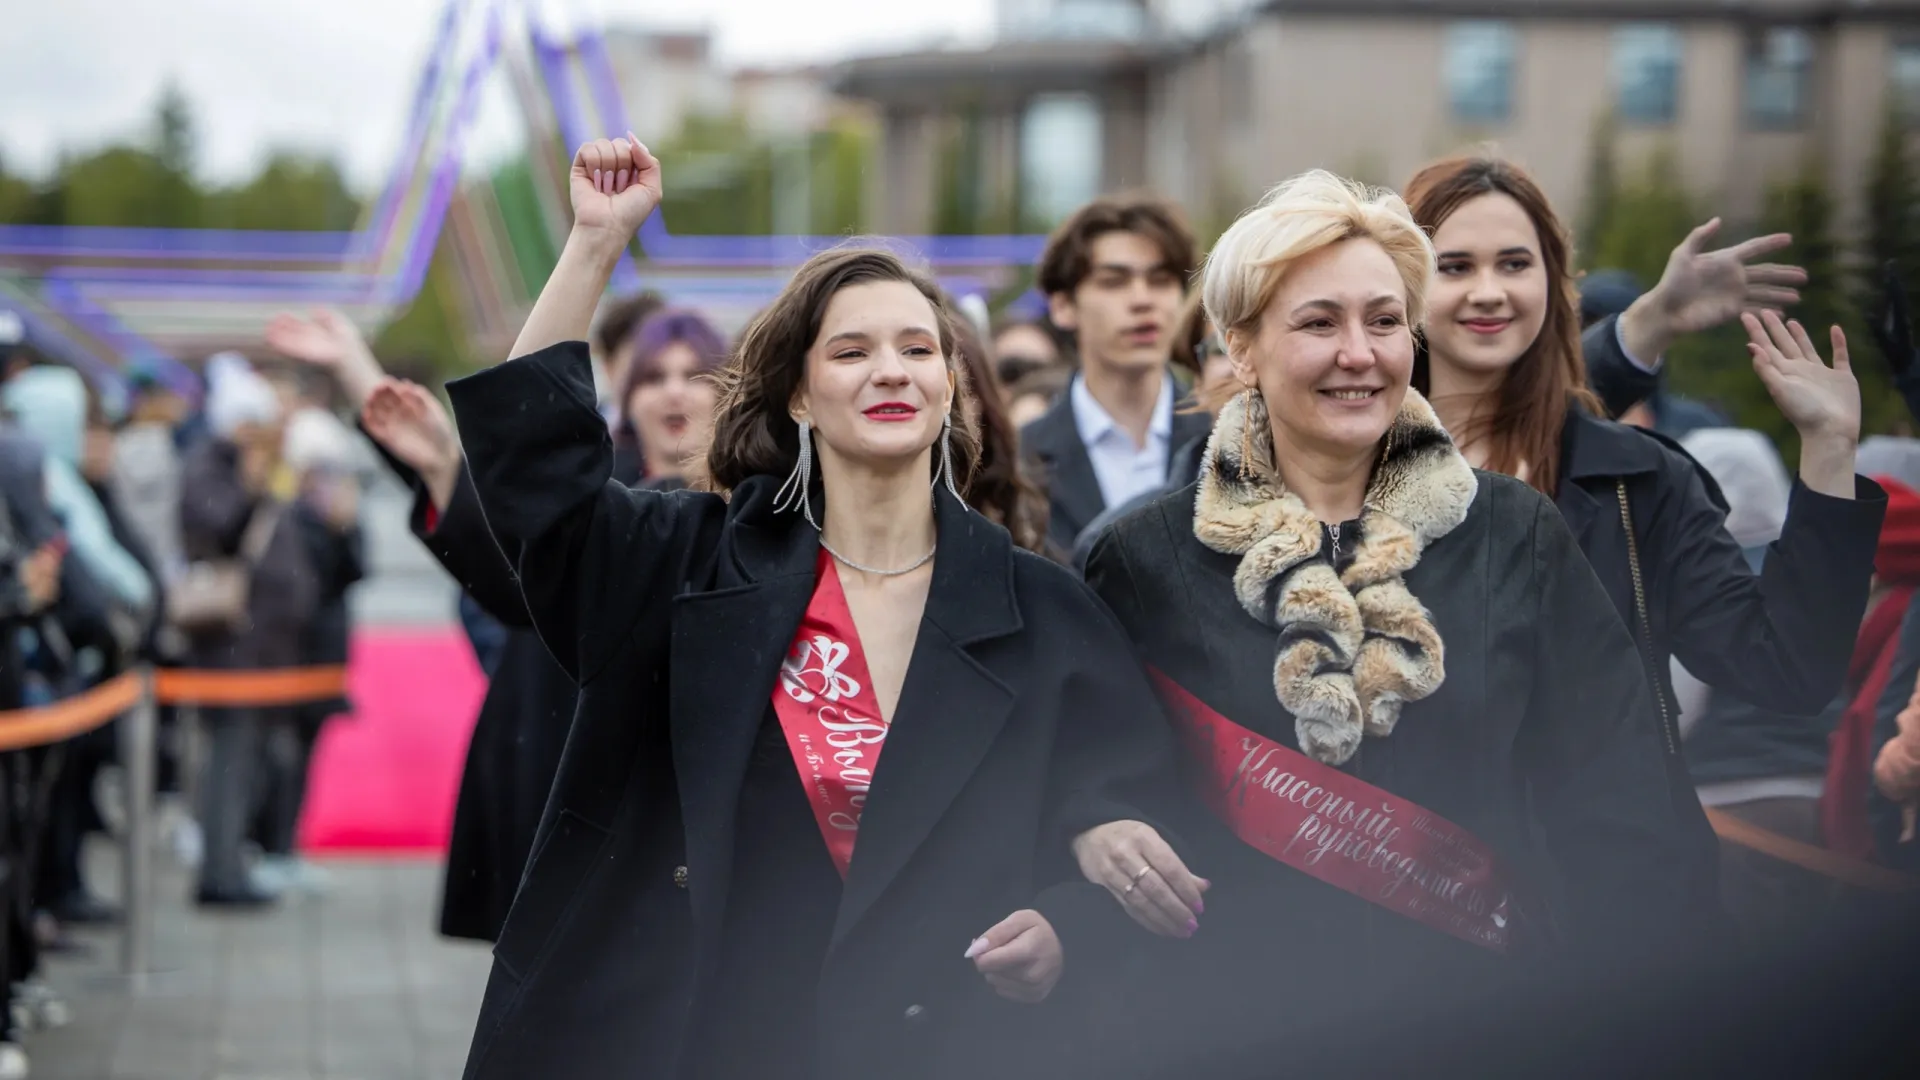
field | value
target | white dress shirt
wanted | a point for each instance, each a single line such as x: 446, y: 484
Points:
x: 1123, y: 468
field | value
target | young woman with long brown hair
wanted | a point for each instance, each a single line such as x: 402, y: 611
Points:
x: 1503, y: 367
x: 731, y: 878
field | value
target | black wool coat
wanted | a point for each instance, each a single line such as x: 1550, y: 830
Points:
x: 1022, y: 722
x: 1541, y: 741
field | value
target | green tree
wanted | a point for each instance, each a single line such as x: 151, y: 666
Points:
x: 429, y: 338
x: 1644, y: 219
x: 723, y: 179
x: 958, y: 202
x: 842, y: 159
x: 291, y: 192
x: 1603, y: 184
x: 1892, y: 233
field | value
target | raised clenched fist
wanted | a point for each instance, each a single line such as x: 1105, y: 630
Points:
x: 615, y: 184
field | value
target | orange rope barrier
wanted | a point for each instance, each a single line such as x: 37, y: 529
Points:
x: 1827, y: 863
x: 21, y: 728
x: 291, y: 686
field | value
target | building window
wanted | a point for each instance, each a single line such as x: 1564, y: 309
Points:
x: 1905, y: 73
x: 1646, y: 72
x: 1479, y: 70
x: 1060, y: 154
x: 1779, y: 65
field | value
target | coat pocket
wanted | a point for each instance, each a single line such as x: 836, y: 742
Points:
x: 554, y: 883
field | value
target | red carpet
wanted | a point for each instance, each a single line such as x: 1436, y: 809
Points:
x: 384, y: 779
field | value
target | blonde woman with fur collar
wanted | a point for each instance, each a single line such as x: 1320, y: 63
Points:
x: 1424, y: 740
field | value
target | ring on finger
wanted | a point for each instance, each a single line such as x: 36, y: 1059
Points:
x: 1135, y: 882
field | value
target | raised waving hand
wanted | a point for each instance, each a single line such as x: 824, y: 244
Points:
x: 414, y: 426
x: 1702, y: 289
x: 329, y: 341
x: 1822, y: 403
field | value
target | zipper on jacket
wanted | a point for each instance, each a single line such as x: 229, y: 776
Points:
x: 1646, y: 626
x: 1333, y: 534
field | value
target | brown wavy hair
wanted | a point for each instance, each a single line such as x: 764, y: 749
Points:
x: 1531, y: 411
x: 1001, y: 491
x: 754, y: 433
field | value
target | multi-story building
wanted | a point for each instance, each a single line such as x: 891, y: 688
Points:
x: 1214, y: 101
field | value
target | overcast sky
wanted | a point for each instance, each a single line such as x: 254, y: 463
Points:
x: 336, y: 75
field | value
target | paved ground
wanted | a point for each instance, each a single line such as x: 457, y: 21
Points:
x: 351, y: 986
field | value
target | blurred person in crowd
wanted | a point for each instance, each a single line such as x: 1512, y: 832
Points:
x: 1033, y: 395
x: 321, y: 453
x: 1762, y: 765
x: 1198, y: 350
x: 841, y: 445
x: 1020, y: 347
x: 230, y: 513
x: 521, y: 728
x: 1897, y: 456
x: 613, y: 342
x: 1846, y: 820
x: 50, y: 405
x: 1610, y: 294
x: 665, y: 397
x: 1408, y: 703
x: 29, y: 585
x: 1503, y: 367
x: 146, y: 469
x: 1892, y: 330
x: 1000, y: 489
x: 1114, y: 274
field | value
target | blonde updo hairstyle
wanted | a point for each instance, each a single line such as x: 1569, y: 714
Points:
x: 1299, y: 216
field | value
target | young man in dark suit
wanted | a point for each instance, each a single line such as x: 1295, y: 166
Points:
x: 1114, y: 275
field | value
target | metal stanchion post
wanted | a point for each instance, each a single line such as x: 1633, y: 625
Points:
x: 138, y: 740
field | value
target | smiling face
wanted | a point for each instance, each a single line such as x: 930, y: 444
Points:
x: 1123, y: 314
x: 877, y: 387
x: 1334, y: 352
x: 1489, y: 301
x: 671, y: 408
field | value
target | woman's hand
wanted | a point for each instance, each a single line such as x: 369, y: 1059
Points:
x: 1141, y: 871
x: 1822, y: 403
x: 1703, y: 289
x: 413, y: 426
x: 1020, y: 956
x: 615, y: 185
x: 328, y: 340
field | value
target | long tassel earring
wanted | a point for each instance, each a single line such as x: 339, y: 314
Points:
x: 945, y: 467
x: 798, y: 490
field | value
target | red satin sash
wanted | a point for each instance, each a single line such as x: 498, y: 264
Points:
x: 1343, y: 830
x: 827, y: 708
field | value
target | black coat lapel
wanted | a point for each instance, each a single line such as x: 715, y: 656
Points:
x: 1188, y: 428
x: 951, y: 708
x: 726, y: 654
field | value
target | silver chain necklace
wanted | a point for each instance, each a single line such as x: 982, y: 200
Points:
x: 908, y: 569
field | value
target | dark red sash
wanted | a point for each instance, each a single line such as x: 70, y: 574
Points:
x: 828, y: 710
x: 1343, y: 830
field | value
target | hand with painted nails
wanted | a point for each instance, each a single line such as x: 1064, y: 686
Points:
x: 1134, y: 863
x: 615, y: 184
x: 1020, y: 956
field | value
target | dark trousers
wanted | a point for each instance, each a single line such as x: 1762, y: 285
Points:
x: 230, y: 785
x: 287, y: 754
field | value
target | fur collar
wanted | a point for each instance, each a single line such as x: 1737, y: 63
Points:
x: 1354, y: 643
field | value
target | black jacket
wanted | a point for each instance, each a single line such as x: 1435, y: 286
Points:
x: 1782, y: 637
x: 1054, y: 451
x: 1541, y: 741
x: 1021, y: 723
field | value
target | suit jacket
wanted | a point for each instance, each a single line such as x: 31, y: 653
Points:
x: 1021, y: 723
x: 1058, y: 457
